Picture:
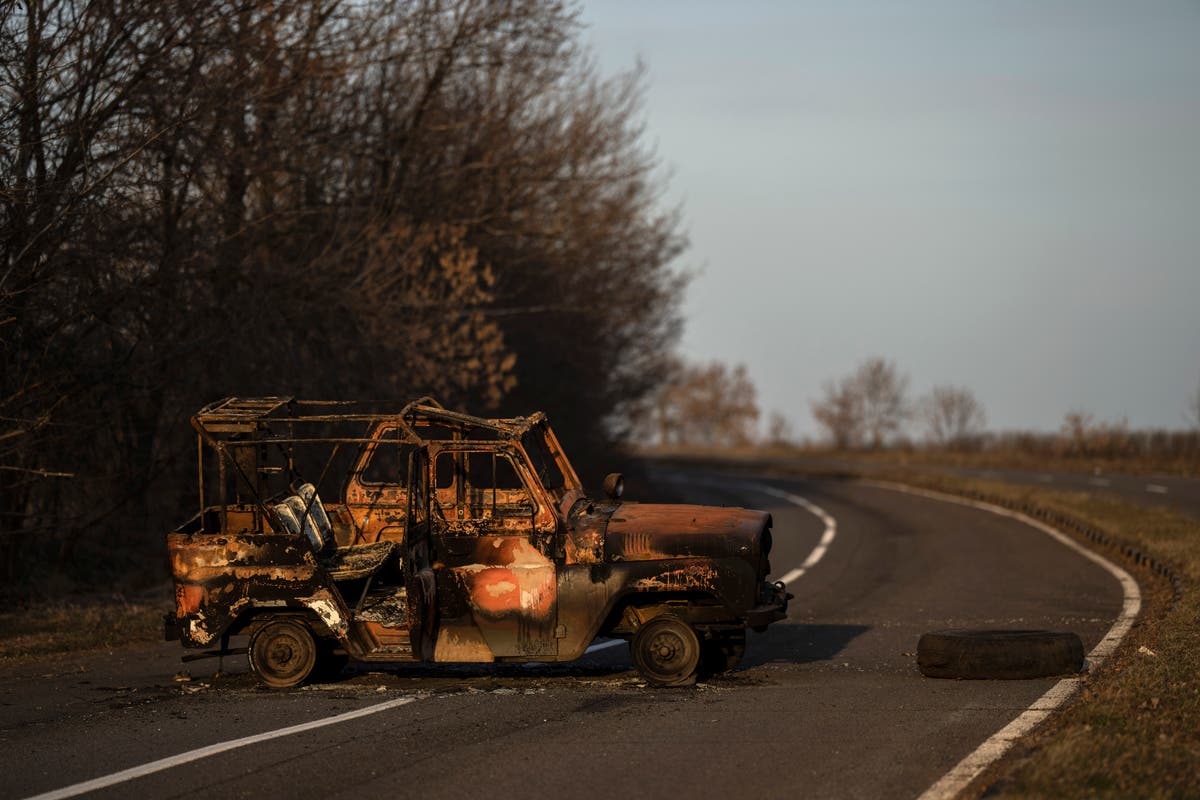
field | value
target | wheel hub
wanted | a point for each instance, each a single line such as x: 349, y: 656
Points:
x: 666, y: 647
x: 281, y: 653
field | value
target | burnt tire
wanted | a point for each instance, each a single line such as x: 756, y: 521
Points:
x: 722, y: 653
x: 666, y: 651
x: 999, y: 654
x: 282, y: 653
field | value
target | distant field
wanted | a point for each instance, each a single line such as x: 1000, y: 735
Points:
x: 1186, y: 465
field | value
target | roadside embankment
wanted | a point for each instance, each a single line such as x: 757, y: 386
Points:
x: 82, y: 623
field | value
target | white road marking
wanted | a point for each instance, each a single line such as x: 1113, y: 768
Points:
x: 1099, y: 481
x: 957, y: 779
x: 1155, y: 488
x: 827, y: 536
x: 604, y: 645
x: 212, y: 750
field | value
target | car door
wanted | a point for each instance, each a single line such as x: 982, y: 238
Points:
x: 491, y: 535
x: 377, y: 491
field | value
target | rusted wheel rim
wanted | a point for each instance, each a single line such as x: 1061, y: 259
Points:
x: 666, y: 648
x: 667, y: 651
x: 283, y: 653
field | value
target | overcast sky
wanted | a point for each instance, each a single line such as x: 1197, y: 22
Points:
x: 999, y: 194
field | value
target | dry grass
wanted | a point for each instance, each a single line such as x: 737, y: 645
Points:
x: 83, y: 625
x: 1134, y: 729
x: 912, y: 456
x: 1014, y: 459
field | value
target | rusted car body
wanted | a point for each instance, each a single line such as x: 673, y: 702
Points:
x: 452, y: 538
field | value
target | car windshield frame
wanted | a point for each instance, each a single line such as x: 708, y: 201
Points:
x: 547, y: 461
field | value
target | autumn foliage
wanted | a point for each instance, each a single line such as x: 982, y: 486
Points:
x: 376, y: 199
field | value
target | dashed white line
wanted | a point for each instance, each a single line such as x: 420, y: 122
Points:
x: 1155, y: 488
x: 604, y: 645
x: 827, y: 536
x: 212, y: 750
x: 958, y: 778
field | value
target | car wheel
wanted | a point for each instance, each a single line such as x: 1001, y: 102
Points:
x: 283, y: 653
x: 666, y: 652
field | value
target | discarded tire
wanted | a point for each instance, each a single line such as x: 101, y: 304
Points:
x: 999, y: 654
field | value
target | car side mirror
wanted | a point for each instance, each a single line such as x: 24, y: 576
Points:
x: 614, y: 485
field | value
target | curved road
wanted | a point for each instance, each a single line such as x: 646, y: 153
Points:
x: 827, y: 704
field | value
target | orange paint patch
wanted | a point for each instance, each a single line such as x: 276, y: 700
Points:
x: 188, y: 597
x: 495, y: 592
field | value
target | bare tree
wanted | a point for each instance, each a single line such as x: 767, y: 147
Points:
x: 884, y: 397
x: 885, y: 400
x: 866, y: 407
x: 779, y: 429
x: 952, y: 415
x: 707, y: 405
x: 378, y: 198
x: 1076, y: 431
x: 840, y: 413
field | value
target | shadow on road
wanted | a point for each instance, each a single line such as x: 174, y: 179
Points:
x: 801, y: 644
x: 781, y: 644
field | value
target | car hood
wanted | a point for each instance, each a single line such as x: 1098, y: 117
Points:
x: 647, y: 531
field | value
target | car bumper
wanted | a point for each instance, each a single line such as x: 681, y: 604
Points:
x: 772, y: 606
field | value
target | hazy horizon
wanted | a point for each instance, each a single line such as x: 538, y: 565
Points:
x: 999, y: 196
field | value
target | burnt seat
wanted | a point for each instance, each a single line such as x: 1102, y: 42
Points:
x: 358, y: 561
x: 304, y: 513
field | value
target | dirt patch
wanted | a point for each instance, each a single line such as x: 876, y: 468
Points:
x: 85, y: 624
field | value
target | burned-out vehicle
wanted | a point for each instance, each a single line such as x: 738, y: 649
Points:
x: 452, y: 538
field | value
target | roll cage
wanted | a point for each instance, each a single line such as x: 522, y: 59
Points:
x: 265, y: 447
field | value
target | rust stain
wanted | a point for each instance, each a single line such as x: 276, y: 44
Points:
x: 188, y: 597
x: 634, y: 517
x: 462, y: 643
x: 689, y: 578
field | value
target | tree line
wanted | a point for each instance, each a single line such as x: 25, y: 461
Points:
x: 870, y: 408
x: 715, y: 406
x: 373, y: 199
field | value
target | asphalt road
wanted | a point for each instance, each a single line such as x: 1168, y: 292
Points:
x: 827, y: 704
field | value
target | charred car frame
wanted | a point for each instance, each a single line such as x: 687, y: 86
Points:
x: 452, y: 538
